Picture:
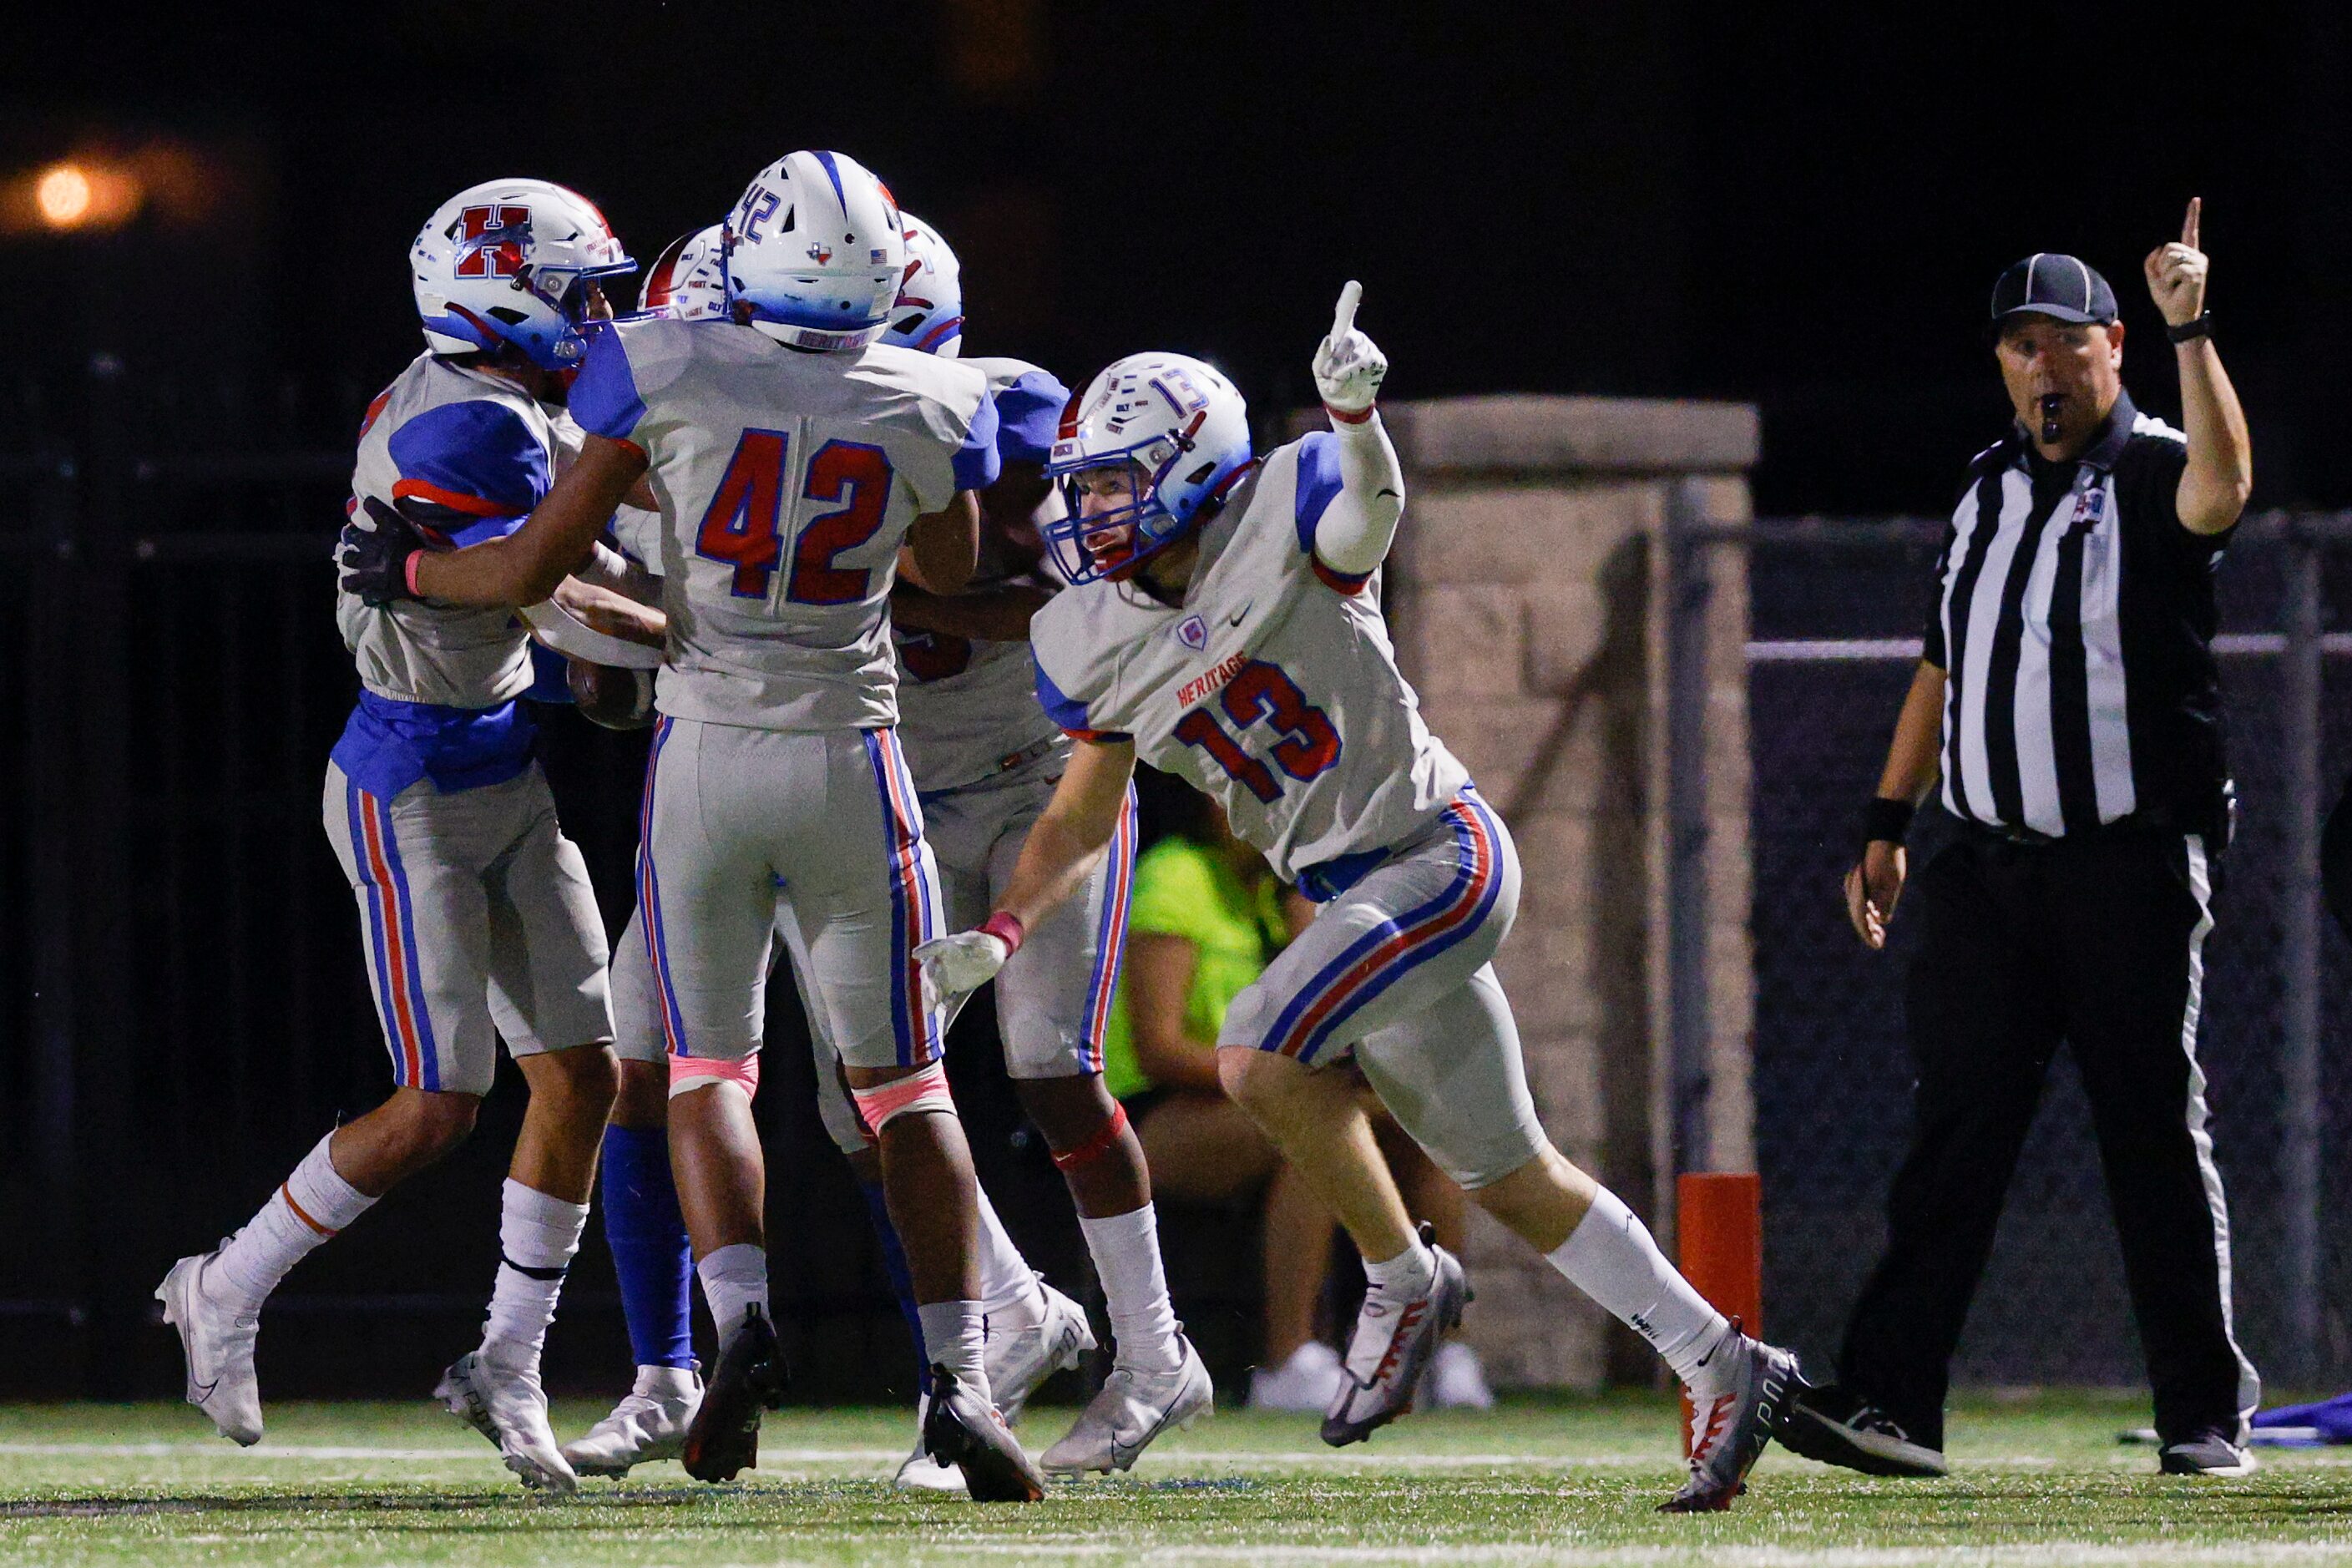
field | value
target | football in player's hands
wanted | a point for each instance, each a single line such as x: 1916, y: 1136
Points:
x: 956, y: 966
x: 614, y: 697
x: 1348, y: 366
x: 374, y: 554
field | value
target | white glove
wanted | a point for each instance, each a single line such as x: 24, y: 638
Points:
x: 956, y: 966
x: 1349, y: 365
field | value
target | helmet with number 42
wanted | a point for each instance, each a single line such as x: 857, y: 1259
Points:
x: 514, y: 261
x: 1176, y: 428
x: 815, y: 252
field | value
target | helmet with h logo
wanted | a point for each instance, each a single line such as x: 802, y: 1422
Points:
x: 513, y: 262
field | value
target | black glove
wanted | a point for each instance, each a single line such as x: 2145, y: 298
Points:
x: 374, y: 554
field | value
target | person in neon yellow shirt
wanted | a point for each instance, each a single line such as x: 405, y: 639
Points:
x: 1205, y: 917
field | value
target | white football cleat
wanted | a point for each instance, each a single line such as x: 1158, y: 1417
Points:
x: 1018, y: 1360
x: 649, y: 1425
x: 1308, y: 1379
x: 962, y: 1430
x: 216, y: 1341
x: 1133, y: 1409
x: 919, y: 1472
x: 494, y: 1390
x: 1394, y: 1339
x: 1743, y: 1400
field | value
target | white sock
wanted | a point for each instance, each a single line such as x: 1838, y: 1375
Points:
x: 1408, y: 1274
x: 954, y: 1337
x: 1126, y: 1248
x: 537, y: 1236
x: 310, y: 1207
x: 734, y: 1279
x: 1613, y: 1258
x: 1008, y: 1286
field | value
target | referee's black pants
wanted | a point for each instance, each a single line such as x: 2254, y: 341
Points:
x: 2098, y: 943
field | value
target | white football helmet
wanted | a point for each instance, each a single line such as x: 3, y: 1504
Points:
x: 509, y: 261
x: 1182, y: 431
x: 928, y: 315
x: 814, y: 254
x: 684, y: 281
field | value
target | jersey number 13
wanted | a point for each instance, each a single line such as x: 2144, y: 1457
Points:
x: 744, y: 525
x: 1309, y: 743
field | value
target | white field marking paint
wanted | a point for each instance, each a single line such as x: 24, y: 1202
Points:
x: 1850, y: 650
x: 774, y: 1458
x: 2246, y: 1554
x: 225, y: 1450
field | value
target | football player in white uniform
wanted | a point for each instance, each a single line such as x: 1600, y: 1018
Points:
x: 479, y: 919
x: 792, y: 457
x: 985, y: 759
x: 1225, y: 630
x: 1034, y: 1330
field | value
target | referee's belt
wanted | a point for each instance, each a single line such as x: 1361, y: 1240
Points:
x: 2148, y: 821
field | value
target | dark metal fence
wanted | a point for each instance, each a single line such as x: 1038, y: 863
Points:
x: 1837, y: 608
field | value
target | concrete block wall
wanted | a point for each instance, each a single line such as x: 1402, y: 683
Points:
x: 1525, y: 595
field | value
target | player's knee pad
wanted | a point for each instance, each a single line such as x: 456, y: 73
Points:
x: 690, y: 1073
x: 1104, y: 1138
x: 885, y: 1103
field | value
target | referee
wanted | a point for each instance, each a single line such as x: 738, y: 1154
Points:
x: 2069, y: 702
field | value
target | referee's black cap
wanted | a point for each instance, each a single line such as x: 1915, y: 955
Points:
x: 2049, y: 284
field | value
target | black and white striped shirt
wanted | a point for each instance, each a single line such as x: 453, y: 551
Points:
x: 2073, y: 623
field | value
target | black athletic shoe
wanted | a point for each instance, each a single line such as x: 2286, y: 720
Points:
x: 963, y: 1430
x: 2208, y: 1453
x: 723, y: 1439
x: 1835, y: 1428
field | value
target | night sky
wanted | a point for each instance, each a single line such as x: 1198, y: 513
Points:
x: 1804, y: 205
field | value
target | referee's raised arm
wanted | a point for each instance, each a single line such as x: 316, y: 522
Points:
x: 2221, y: 472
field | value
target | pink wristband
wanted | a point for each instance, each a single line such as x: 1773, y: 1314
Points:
x: 408, y: 572
x: 1006, y: 928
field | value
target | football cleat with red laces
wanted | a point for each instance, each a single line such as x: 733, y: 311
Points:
x: 1732, y: 1418
x: 1390, y: 1349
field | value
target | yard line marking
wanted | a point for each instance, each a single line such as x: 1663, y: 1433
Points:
x: 260, y: 1451
x: 771, y: 1459
x: 2250, y: 1554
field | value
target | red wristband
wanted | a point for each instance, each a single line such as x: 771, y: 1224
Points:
x: 408, y: 572
x: 1006, y: 928
x: 1358, y: 418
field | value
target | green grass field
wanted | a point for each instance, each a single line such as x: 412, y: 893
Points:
x: 2040, y: 1480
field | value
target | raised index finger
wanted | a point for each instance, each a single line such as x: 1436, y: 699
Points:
x: 2188, y: 224
x: 1344, y: 317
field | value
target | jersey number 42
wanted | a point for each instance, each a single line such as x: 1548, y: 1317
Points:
x: 744, y: 525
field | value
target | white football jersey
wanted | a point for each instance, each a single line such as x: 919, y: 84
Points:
x: 787, y: 481
x: 1272, y: 686
x: 475, y: 454
x: 967, y: 706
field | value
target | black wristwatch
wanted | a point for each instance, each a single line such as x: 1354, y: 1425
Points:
x: 2189, y: 331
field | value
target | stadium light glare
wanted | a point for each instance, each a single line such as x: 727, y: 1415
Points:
x: 64, y: 195
x: 75, y: 195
